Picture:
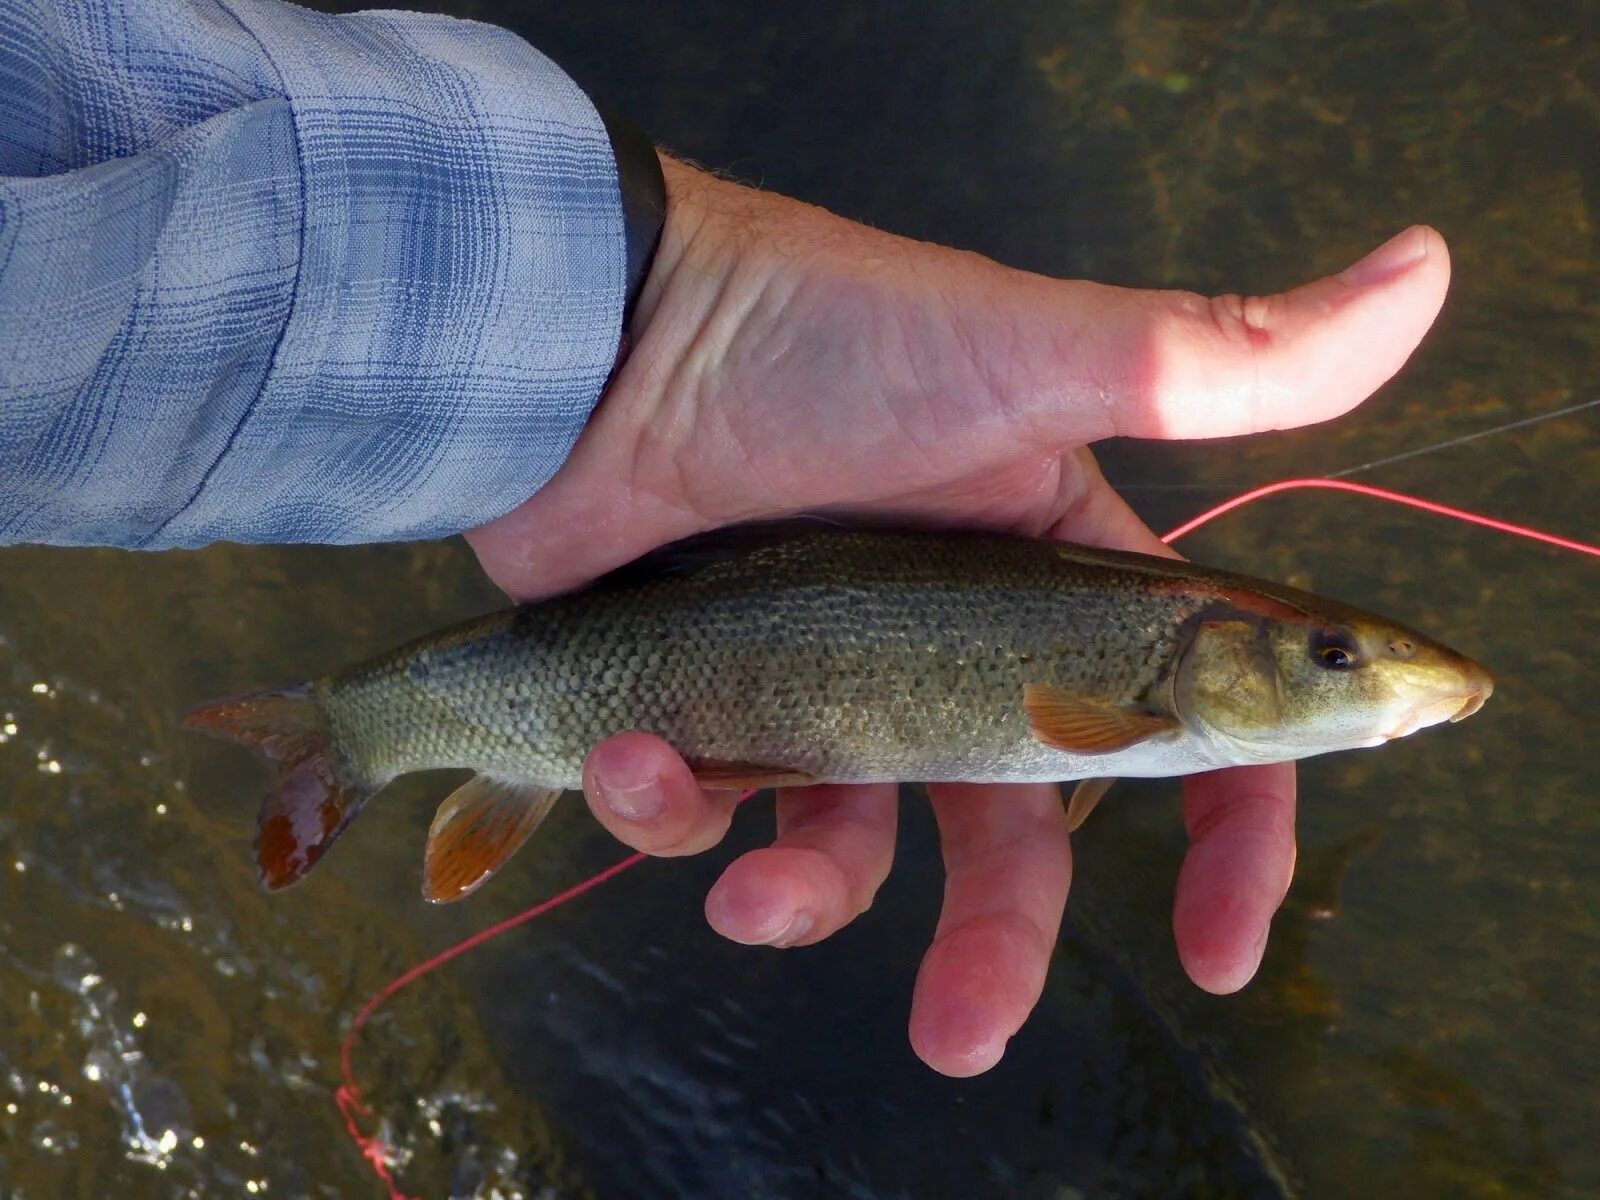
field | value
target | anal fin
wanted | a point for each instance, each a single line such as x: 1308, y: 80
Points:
x: 477, y: 829
x: 1085, y: 796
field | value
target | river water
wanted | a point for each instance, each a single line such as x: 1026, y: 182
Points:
x: 1423, y: 1024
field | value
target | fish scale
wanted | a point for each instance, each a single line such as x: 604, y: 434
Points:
x: 911, y: 658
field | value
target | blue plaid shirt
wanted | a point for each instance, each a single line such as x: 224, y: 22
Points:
x: 268, y: 275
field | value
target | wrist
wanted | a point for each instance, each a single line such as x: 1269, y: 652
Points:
x: 723, y: 249
x: 684, y: 189
x: 642, y: 192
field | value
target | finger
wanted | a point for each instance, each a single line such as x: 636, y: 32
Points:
x: 1236, y: 873
x: 642, y: 791
x: 1241, y: 821
x: 1097, y: 516
x: 1161, y: 364
x: 834, y: 848
x: 1007, y: 869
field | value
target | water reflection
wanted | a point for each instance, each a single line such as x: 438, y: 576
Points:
x: 170, y: 1029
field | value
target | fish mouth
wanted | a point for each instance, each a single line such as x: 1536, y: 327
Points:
x: 1471, y: 705
x: 1480, y: 687
x: 1460, y: 704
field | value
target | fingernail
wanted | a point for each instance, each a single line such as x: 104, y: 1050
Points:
x: 1396, y: 256
x: 642, y: 801
x: 796, y: 929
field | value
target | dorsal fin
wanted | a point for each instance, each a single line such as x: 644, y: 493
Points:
x: 695, y: 553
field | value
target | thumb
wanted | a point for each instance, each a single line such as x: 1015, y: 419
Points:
x: 1160, y: 364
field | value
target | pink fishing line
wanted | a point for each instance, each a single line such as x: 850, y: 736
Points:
x: 1363, y: 489
x: 348, y: 1096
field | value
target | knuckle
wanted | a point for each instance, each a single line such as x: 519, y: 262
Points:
x: 1250, y: 814
x: 1005, y: 938
x: 1219, y: 345
x: 1241, y: 321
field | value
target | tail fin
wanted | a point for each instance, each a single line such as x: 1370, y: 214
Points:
x: 311, y: 801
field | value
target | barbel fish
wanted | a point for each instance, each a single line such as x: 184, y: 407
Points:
x: 783, y: 656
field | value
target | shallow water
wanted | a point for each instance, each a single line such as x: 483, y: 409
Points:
x: 1423, y: 1021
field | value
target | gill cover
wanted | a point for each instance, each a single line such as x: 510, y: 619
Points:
x: 1228, y: 679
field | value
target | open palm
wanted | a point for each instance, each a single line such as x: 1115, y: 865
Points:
x: 788, y: 360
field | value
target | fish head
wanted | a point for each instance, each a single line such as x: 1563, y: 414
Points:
x: 1286, y: 683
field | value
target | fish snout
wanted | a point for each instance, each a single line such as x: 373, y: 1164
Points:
x: 1479, y: 687
x: 1463, y: 692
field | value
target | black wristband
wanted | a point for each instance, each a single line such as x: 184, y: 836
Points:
x: 644, y: 203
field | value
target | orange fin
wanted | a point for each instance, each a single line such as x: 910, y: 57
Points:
x: 284, y: 725
x: 1085, y: 796
x: 709, y: 773
x: 477, y: 829
x: 1068, y: 722
x: 311, y: 801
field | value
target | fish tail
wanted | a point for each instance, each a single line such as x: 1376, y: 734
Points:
x: 314, y: 796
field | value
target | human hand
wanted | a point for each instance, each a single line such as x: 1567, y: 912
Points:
x: 788, y: 360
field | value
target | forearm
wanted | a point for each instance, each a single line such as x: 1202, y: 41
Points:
x: 267, y: 275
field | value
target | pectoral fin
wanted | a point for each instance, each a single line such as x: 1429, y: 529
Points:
x: 477, y: 829
x: 1085, y: 796
x: 709, y: 773
x: 1068, y: 722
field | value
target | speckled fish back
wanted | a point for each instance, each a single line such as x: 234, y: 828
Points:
x: 852, y: 656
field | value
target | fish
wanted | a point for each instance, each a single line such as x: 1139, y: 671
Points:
x: 788, y: 655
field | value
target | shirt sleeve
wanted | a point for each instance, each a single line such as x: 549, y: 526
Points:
x: 269, y: 275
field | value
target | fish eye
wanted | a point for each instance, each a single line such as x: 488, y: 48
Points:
x: 1335, y: 649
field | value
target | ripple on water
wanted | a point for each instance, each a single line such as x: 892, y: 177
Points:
x: 172, y: 1030
x: 154, y: 1113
